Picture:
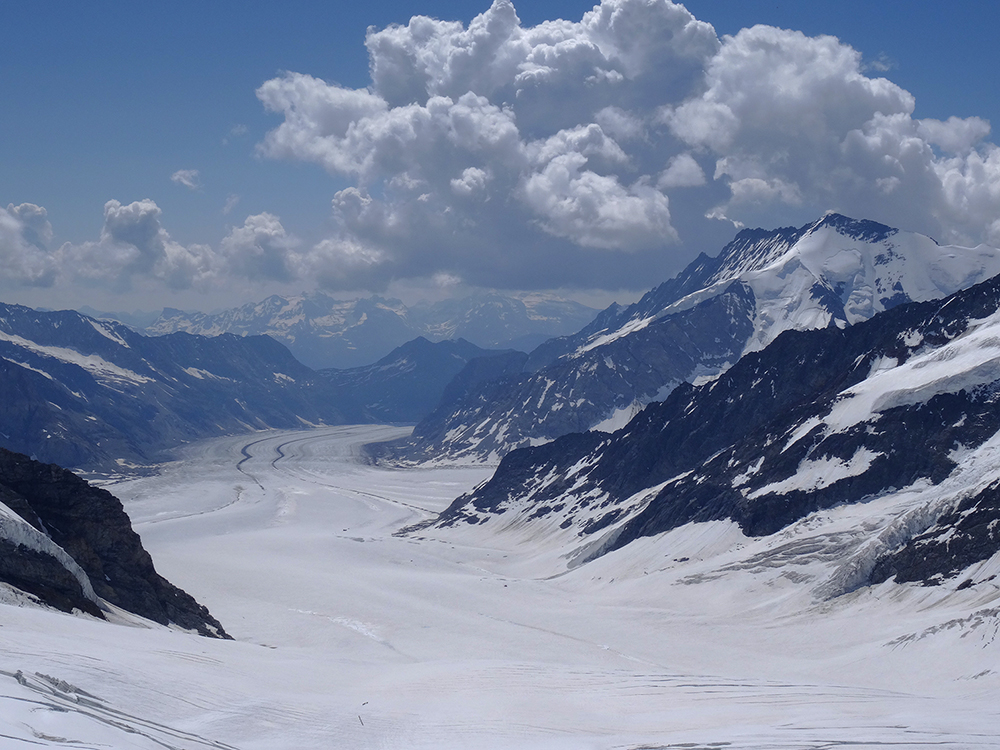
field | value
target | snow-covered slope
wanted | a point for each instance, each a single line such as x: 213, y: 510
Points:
x: 324, y: 332
x: 833, y: 272
x: 902, y: 408
x: 836, y: 271
x: 349, y: 635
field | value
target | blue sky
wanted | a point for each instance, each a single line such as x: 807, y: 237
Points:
x: 108, y: 101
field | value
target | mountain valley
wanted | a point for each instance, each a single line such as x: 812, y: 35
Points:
x: 350, y: 635
x: 99, y: 396
x: 785, y: 533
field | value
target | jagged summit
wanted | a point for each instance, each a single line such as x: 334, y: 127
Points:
x: 835, y: 270
x: 859, y: 229
x: 755, y: 249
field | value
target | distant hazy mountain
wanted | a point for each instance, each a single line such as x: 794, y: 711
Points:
x: 137, y: 319
x: 319, y: 330
x: 834, y: 272
x: 495, y: 321
x: 403, y: 386
x: 323, y: 332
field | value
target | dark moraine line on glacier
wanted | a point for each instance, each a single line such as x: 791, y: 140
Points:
x: 244, y: 451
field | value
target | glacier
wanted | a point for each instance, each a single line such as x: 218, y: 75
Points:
x: 349, y: 635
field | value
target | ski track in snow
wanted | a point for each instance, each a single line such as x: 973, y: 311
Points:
x: 350, y: 637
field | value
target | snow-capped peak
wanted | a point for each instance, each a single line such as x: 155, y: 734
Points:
x: 834, y: 271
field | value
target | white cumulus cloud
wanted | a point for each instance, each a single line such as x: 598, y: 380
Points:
x: 579, y: 148
x: 189, y: 178
x: 25, y: 234
x: 682, y: 171
x: 261, y: 249
x: 478, y: 150
x: 135, y: 251
x: 596, y: 152
x: 133, y: 244
x: 794, y: 121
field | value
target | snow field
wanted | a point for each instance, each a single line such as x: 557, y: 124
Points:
x: 351, y: 637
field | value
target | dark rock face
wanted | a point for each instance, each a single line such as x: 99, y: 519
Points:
x: 908, y: 443
x: 732, y: 449
x: 92, y: 527
x: 45, y: 577
x: 965, y: 536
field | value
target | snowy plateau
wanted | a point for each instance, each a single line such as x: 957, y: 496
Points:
x: 350, y: 635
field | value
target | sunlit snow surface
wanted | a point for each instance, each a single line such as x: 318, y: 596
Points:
x: 350, y: 637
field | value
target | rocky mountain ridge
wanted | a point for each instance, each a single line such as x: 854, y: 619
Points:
x: 833, y: 272
x: 80, y: 392
x: 899, y: 413
x: 86, y: 393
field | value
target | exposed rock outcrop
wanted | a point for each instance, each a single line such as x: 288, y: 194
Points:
x: 90, y: 525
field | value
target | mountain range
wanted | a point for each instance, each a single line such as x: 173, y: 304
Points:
x: 834, y: 272
x: 796, y: 437
x: 323, y: 332
x: 899, y: 414
x: 95, y: 394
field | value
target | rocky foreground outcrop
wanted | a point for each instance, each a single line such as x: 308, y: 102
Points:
x: 72, y: 546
